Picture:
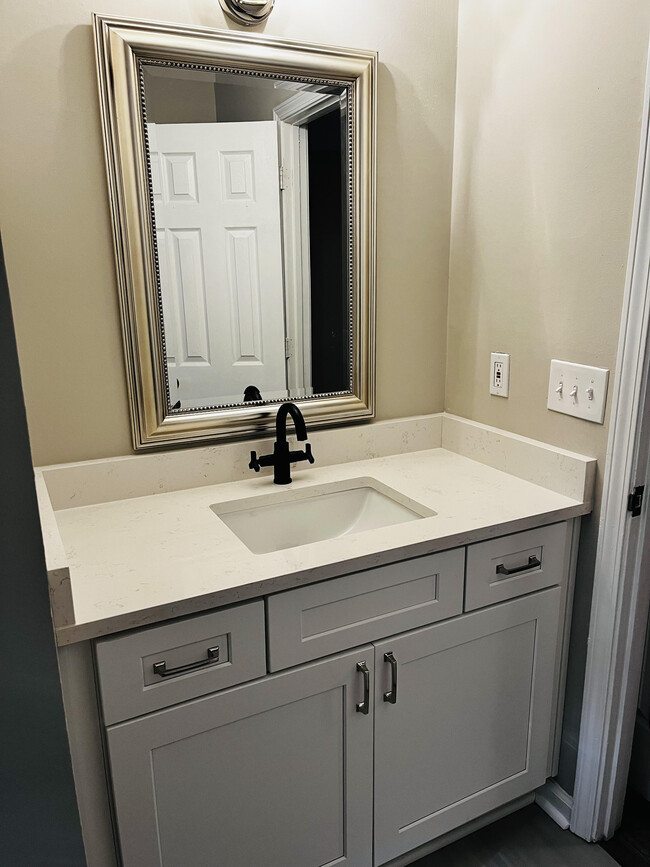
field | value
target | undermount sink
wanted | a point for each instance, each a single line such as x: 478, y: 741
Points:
x: 288, y: 519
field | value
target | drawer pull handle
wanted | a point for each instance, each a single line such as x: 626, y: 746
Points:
x: 391, y: 695
x: 161, y: 667
x: 533, y: 563
x: 364, y: 706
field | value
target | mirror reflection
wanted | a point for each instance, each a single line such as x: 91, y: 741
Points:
x: 250, y: 191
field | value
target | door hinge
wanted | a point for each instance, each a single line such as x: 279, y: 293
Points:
x: 288, y: 347
x: 283, y: 178
x: 635, y: 501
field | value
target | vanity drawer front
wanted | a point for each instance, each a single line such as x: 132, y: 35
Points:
x: 514, y: 565
x: 163, y: 665
x: 333, y: 615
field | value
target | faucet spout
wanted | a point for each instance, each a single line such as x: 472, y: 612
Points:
x: 281, y: 423
x: 282, y: 456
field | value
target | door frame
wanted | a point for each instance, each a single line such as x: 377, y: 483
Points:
x: 296, y: 259
x: 621, y: 590
x: 293, y: 115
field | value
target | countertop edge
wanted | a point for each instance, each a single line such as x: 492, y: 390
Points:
x: 73, y: 633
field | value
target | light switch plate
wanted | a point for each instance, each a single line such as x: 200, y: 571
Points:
x: 578, y: 390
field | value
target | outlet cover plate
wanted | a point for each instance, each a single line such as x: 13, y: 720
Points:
x: 578, y: 390
x: 500, y: 373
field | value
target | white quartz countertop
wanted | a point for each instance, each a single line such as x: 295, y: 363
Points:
x: 145, y: 559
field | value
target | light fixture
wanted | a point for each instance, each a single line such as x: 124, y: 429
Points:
x: 248, y: 12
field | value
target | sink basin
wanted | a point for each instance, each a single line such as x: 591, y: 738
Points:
x: 291, y: 518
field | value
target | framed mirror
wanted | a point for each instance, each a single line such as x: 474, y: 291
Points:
x: 242, y: 189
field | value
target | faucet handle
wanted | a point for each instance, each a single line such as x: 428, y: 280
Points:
x: 308, y: 453
x: 254, y: 463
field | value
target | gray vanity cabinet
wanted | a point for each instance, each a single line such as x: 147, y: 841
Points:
x: 330, y: 761
x: 276, y: 772
x: 469, y: 729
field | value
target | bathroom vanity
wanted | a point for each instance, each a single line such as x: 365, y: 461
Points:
x: 440, y: 712
x: 350, y: 700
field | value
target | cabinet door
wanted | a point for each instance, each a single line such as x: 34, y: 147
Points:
x: 471, y: 723
x: 276, y: 772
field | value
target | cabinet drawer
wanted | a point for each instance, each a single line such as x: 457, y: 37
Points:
x: 513, y: 565
x: 152, y: 668
x: 324, y: 618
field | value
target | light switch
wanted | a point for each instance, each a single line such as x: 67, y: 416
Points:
x: 578, y: 390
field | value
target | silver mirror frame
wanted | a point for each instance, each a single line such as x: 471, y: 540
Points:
x: 121, y: 45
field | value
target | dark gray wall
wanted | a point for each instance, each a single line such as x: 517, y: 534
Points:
x: 39, y: 822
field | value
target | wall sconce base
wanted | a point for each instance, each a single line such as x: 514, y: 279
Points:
x: 248, y: 12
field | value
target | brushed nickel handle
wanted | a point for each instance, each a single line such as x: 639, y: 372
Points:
x: 533, y: 563
x: 161, y: 667
x: 364, y: 706
x: 391, y: 695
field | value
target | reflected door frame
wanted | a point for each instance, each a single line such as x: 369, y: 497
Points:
x: 293, y: 116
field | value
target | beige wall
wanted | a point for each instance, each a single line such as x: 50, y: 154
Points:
x: 549, y: 99
x: 548, y: 109
x: 171, y: 97
x: 55, y: 221
x: 255, y: 103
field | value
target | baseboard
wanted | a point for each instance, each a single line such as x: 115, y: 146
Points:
x: 555, y: 802
x: 463, y: 831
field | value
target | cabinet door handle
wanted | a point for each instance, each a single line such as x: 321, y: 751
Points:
x: 391, y: 695
x: 533, y: 563
x: 161, y: 667
x: 364, y: 706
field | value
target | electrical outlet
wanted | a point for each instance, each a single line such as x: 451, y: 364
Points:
x: 499, y: 373
x: 578, y: 390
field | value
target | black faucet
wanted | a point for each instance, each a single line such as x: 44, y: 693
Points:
x: 282, y: 457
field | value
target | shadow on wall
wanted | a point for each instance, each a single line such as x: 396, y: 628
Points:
x: 578, y: 644
x: 39, y: 822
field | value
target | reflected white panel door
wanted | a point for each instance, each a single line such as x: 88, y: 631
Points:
x: 217, y: 203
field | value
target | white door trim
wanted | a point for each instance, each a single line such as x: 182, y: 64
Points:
x: 305, y: 107
x: 620, y: 595
x: 293, y: 116
x: 296, y: 255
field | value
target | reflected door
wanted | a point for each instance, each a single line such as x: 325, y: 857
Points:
x: 218, y: 229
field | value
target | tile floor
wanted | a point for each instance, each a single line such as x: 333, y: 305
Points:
x: 630, y: 845
x: 527, y: 838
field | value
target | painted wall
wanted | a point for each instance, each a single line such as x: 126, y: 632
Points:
x: 178, y: 98
x: 55, y: 219
x: 548, y: 111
